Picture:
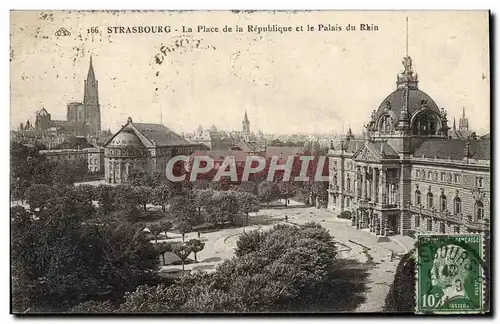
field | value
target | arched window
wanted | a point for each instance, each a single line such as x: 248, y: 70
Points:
x: 457, y: 206
x: 430, y: 200
x: 479, y: 210
x: 348, y: 184
x: 347, y: 202
x: 418, y: 198
x: 442, y: 228
x: 443, y: 203
x: 426, y: 123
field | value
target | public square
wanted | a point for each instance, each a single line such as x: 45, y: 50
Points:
x: 378, y: 259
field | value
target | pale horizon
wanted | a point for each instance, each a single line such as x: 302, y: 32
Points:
x: 319, y: 82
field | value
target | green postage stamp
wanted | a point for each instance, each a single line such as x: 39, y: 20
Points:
x: 450, y: 274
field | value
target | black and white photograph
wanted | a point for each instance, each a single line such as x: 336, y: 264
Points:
x: 241, y: 162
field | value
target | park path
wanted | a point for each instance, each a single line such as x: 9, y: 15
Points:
x: 373, y: 256
x: 359, y: 245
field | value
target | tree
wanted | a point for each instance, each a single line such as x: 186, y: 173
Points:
x: 182, y: 251
x: 196, y: 246
x: 401, y: 296
x: 249, y: 242
x: 276, y: 142
x: 202, y: 199
x: 60, y: 258
x: 38, y: 196
x: 92, y: 306
x: 155, y: 229
x: 183, y: 208
x: 165, y: 226
x: 223, y: 208
x: 163, y: 248
x: 248, y: 186
x: 146, y: 178
x: 126, y: 200
x: 162, y: 195
x: 287, y: 190
x: 104, y: 196
x: 144, y: 195
x: 88, y: 192
x: 247, y: 203
x: 183, y: 228
x: 287, y: 269
x: 267, y: 191
x: 28, y: 166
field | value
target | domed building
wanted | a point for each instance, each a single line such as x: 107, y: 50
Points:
x: 407, y: 175
x: 142, y: 146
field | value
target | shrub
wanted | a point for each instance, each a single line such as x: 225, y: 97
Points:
x: 345, y: 214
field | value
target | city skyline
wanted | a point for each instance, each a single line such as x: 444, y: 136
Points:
x: 175, y: 91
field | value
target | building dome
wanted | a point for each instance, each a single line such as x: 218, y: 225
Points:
x: 417, y: 100
x: 408, y: 109
x: 125, y: 138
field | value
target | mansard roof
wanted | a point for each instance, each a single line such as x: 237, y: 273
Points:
x: 152, y: 135
x: 454, y: 149
x: 160, y: 135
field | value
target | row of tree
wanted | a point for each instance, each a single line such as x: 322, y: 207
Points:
x: 61, y: 255
x: 28, y: 167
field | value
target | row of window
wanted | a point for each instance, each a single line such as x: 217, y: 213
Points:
x: 441, y: 176
x: 129, y: 152
x: 93, y: 161
x: 443, y: 204
x: 445, y: 177
x: 442, y: 228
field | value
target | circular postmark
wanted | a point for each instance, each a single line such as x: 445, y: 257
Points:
x: 450, y: 273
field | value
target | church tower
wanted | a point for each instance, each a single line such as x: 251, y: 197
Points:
x: 463, y: 123
x: 246, y: 124
x: 91, y: 101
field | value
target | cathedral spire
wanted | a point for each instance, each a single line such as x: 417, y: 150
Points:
x: 91, y: 74
x: 454, y: 125
x: 245, y: 119
x: 91, y: 100
x: 246, y: 124
x: 463, y: 112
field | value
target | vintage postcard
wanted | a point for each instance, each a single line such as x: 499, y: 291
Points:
x: 250, y: 162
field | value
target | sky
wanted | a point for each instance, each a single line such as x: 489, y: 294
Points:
x: 291, y: 82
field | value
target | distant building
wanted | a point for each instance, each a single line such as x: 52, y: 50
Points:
x: 220, y: 155
x: 67, y: 155
x: 247, y: 141
x: 407, y: 176
x: 283, y: 152
x: 213, y: 138
x: 142, y: 146
x: 463, y: 131
x: 93, y: 156
x: 245, y: 125
x: 81, y: 118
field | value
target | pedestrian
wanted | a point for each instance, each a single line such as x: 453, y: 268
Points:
x: 286, y: 218
x: 199, y: 234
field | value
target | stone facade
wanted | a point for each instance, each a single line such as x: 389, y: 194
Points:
x: 407, y: 175
x: 146, y: 147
